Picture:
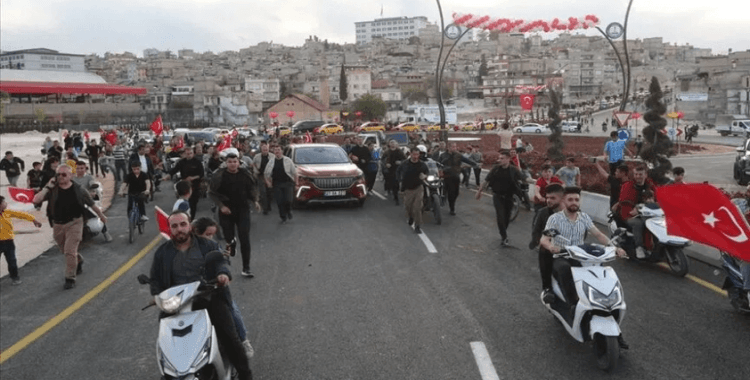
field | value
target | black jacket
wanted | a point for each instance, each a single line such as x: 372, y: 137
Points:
x: 251, y: 187
x: 13, y: 168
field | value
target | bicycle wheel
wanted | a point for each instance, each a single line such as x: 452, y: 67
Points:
x: 131, y: 228
x: 516, y: 205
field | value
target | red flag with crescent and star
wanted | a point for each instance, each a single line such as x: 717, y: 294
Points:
x: 162, y: 220
x: 21, y: 195
x: 157, y: 126
x: 702, y: 213
x: 527, y: 101
x: 226, y: 143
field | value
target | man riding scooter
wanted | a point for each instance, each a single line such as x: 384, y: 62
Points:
x: 631, y: 194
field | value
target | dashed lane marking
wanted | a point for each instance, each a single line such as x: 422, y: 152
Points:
x: 381, y: 196
x: 484, y: 362
x: 430, y: 247
x: 56, y: 320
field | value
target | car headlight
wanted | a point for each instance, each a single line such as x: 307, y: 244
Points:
x: 607, y: 301
x: 171, y: 304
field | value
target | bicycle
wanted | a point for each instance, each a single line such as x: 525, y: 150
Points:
x: 134, y: 218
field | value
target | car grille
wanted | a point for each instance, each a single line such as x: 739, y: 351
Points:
x: 333, y: 183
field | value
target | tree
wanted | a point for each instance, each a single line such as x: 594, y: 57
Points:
x: 371, y: 106
x: 657, y: 147
x: 343, y: 90
x: 40, y: 115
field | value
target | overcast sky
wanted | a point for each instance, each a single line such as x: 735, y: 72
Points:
x: 99, y: 26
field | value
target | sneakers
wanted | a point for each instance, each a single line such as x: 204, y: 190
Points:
x: 417, y: 229
x: 289, y: 216
x: 548, y: 296
x: 107, y: 237
x: 69, y: 284
x: 247, y: 273
x: 16, y: 281
x: 248, y: 349
x: 640, y: 253
x: 453, y: 213
x: 410, y: 221
x: 505, y: 242
x: 144, y: 218
x: 79, y: 268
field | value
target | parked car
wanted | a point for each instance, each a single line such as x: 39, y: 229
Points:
x: 466, y: 126
x: 329, y: 129
x: 326, y: 175
x: 370, y: 126
x: 531, y: 128
x: 407, y: 127
x: 283, y: 131
x: 432, y: 128
x: 742, y: 163
x: 247, y: 132
x: 307, y: 125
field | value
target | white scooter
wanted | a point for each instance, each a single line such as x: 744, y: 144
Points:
x: 187, y: 346
x: 658, y: 245
x: 601, y: 301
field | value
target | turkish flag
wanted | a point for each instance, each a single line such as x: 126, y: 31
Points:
x: 527, y: 101
x: 702, y: 213
x: 226, y: 143
x: 162, y: 220
x: 111, y: 138
x: 21, y: 195
x: 157, y: 126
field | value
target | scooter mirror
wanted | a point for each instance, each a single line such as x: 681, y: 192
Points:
x: 143, y: 279
x: 94, y: 186
x: 552, y: 232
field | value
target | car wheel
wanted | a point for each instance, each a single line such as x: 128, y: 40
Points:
x: 538, y: 131
x: 736, y: 173
x: 743, y: 178
x: 519, y: 130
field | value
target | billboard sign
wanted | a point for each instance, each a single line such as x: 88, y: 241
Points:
x: 431, y: 113
x: 692, y: 97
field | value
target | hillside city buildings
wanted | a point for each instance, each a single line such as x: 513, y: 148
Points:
x: 394, y: 59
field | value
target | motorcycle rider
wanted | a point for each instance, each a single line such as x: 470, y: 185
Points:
x: 631, y: 194
x: 554, y: 194
x: 180, y: 261
x: 572, y: 225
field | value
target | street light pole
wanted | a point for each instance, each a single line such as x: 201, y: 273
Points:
x: 438, y: 78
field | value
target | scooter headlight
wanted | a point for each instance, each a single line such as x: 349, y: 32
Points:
x: 171, y: 304
x: 431, y: 178
x: 607, y: 301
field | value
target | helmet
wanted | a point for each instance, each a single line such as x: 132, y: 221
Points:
x: 422, y: 148
x: 95, y: 225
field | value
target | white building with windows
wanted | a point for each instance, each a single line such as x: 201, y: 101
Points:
x: 358, y: 80
x: 268, y: 89
x: 397, y: 28
x: 42, y: 59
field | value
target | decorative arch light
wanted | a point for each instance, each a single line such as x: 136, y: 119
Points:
x: 505, y: 25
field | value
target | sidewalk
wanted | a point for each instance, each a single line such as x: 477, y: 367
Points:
x: 31, y: 241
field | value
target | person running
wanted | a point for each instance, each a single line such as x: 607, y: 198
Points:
x: 412, y: 172
x: 92, y: 152
x: 392, y: 159
x: 65, y: 209
x: 281, y: 174
x: 451, y: 162
x: 260, y: 161
x: 34, y: 177
x: 503, y: 178
x: 13, y: 167
x: 7, y: 246
x: 233, y: 189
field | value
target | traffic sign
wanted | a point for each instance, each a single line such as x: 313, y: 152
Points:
x: 672, y: 132
x: 621, y: 117
x: 623, y: 134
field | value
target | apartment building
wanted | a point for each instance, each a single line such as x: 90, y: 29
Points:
x: 398, y: 28
x: 42, y: 59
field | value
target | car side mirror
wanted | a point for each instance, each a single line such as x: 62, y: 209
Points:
x: 739, y: 149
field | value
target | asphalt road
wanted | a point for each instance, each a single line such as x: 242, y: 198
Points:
x: 353, y: 293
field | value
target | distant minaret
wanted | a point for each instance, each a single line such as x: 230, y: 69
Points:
x: 325, y: 95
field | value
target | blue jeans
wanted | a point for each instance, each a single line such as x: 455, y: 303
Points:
x: 8, y: 247
x: 121, y: 165
x: 238, y: 322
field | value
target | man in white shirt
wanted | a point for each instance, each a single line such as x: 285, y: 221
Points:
x: 506, y: 137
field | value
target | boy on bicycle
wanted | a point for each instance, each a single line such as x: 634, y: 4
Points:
x: 137, y: 186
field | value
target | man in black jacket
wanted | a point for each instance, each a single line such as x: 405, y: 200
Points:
x: 412, y: 172
x: 13, y: 167
x: 392, y: 159
x: 503, y: 178
x: 553, y: 194
x: 231, y: 189
x: 190, y: 252
x: 360, y: 155
x: 451, y: 161
x: 190, y: 169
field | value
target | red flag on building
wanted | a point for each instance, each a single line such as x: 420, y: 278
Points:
x: 226, y: 143
x: 527, y: 101
x: 21, y: 195
x: 702, y: 213
x: 157, y: 126
x: 162, y: 220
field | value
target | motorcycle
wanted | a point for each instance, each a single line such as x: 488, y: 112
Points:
x: 658, y: 245
x: 435, y: 196
x: 601, y: 302
x: 734, y: 284
x: 187, y: 346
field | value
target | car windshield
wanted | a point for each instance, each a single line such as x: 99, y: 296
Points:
x: 320, y: 155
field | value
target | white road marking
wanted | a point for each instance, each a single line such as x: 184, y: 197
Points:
x: 486, y: 369
x: 430, y: 247
x: 381, y: 196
